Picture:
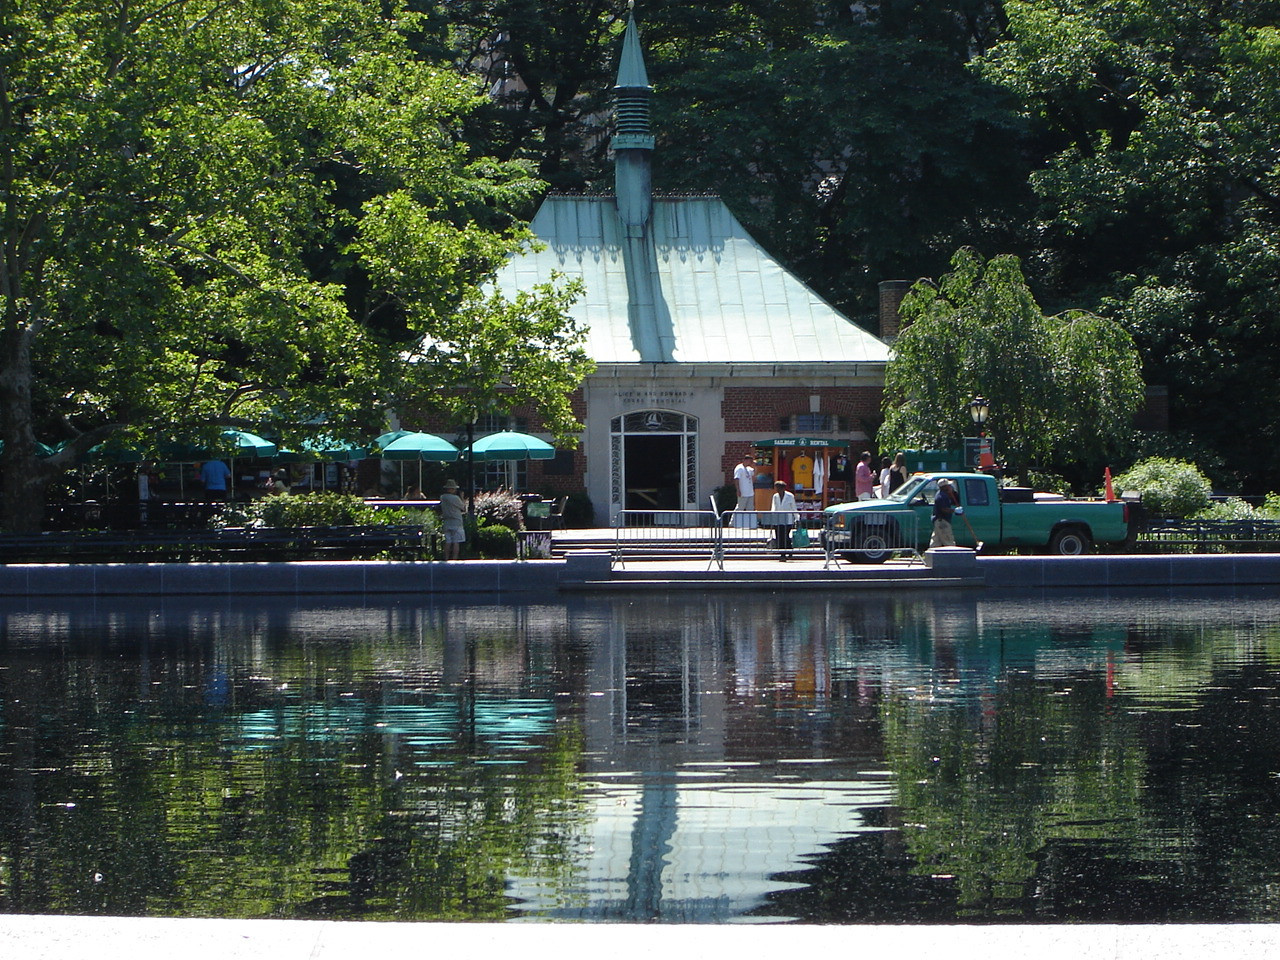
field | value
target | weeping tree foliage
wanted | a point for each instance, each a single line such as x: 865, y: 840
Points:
x: 1062, y: 388
x: 242, y: 215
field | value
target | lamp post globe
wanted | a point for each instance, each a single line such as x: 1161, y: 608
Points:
x: 979, y: 408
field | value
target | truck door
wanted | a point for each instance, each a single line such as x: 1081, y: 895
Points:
x: 976, y: 495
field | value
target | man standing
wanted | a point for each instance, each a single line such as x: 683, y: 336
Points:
x: 864, y: 481
x: 944, y: 505
x: 744, y: 479
x: 214, y: 474
x: 452, y: 511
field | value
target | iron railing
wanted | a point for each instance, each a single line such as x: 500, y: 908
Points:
x: 1209, y: 536
x: 754, y: 533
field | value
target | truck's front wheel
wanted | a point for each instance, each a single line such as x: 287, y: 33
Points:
x: 872, y: 545
x: 1070, y: 542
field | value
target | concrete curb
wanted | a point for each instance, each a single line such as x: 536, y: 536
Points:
x: 590, y: 571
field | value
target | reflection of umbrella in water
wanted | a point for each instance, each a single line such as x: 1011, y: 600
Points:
x: 510, y: 445
x: 419, y: 446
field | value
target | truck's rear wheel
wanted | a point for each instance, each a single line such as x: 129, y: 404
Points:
x: 1070, y: 542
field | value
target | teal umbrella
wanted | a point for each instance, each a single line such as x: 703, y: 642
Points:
x: 386, y: 438
x: 510, y: 445
x: 249, y: 444
x: 42, y: 449
x: 323, y: 448
x: 419, y: 446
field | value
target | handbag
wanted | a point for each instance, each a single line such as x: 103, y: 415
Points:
x: 800, y: 537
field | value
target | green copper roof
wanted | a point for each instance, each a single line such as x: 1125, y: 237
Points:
x: 697, y: 289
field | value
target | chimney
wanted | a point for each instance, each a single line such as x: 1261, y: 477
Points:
x: 891, y: 294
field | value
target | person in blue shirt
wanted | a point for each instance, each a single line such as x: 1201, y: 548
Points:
x: 214, y: 474
x: 946, y: 503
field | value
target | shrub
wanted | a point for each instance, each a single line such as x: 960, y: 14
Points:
x: 494, y: 541
x: 1045, y: 482
x: 1233, y: 508
x: 500, y: 507
x: 1169, y: 488
x: 311, y: 510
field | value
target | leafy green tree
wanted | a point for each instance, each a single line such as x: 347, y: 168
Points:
x: 229, y: 215
x: 1161, y: 191
x: 853, y: 143
x: 1062, y: 388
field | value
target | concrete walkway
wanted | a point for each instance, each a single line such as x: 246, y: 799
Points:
x: 85, y: 938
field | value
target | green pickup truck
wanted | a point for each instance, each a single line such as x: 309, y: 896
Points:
x: 871, y: 531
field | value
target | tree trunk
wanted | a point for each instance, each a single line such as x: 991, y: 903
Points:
x: 25, y: 476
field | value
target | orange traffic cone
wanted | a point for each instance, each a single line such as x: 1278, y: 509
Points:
x: 1106, y: 480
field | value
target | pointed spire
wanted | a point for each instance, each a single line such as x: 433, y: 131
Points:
x: 631, y: 94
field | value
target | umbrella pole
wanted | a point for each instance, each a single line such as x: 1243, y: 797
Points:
x: 471, y: 468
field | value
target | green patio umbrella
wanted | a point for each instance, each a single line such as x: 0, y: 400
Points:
x: 323, y: 448
x: 386, y: 438
x: 249, y: 444
x: 418, y: 446
x: 510, y: 445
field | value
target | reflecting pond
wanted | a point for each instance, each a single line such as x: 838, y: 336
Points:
x: 879, y: 758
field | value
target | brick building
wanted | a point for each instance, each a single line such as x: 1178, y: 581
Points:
x: 704, y: 344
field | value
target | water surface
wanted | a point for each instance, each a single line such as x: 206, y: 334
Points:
x: 767, y: 758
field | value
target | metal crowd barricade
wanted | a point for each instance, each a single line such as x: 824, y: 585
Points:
x: 666, y: 533
x: 872, y: 536
x: 710, y: 533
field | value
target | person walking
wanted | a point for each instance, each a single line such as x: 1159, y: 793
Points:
x: 452, y: 511
x: 785, y: 514
x: 946, y: 503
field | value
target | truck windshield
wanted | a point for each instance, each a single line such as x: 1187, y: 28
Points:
x: 907, y: 490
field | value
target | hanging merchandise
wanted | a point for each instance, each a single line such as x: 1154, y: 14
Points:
x: 802, y: 471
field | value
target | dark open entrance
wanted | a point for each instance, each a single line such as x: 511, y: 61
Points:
x: 652, y: 473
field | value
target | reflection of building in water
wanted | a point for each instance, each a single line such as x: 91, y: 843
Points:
x: 695, y: 800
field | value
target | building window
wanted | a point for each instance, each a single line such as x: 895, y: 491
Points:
x: 503, y: 474
x: 495, y: 423
x: 804, y: 423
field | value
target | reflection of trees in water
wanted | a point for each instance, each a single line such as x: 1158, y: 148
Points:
x: 1124, y: 772
x: 266, y: 776
x: 1053, y: 760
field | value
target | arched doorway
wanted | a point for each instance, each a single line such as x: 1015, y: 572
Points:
x: 654, y: 461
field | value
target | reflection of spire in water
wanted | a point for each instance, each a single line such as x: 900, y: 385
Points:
x: 655, y: 825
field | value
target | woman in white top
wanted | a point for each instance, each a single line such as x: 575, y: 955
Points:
x: 784, y: 518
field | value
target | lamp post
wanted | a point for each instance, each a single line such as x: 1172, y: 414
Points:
x: 979, y: 409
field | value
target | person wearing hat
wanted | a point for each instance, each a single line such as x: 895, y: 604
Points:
x: 944, y: 505
x: 452, y: 510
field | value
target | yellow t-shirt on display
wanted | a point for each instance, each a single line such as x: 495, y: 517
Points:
x: 802, y: 472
